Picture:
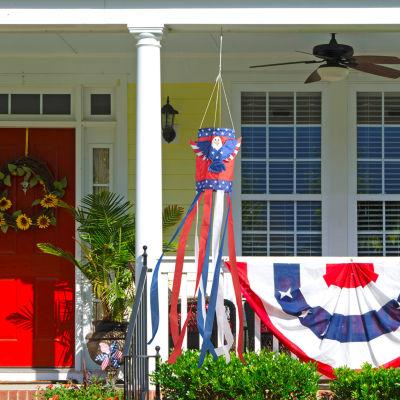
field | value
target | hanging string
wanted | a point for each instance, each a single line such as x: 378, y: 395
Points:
x: 218, y: 85
x: 26, y: 142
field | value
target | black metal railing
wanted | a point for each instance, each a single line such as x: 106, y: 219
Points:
x: 136, y: 359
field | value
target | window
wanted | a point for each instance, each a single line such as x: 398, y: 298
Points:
x: 281, y: 173
x: 378, y: 173
x: 35, y: 104
x: 100, y: 104
x: 101, y: 161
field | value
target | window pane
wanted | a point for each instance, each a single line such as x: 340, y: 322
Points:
x: 281, y: 245
x: 282, y: 216
x: 369, y: 177
x: 392, y: 142
x: 370, y: 215
x: 100, y: 104
x: 393, y: 245
x: 308, y: 177
x: 101, y: 166
x: 392, y: 177
x: 369, y: 108
x: 308, y: 216
x: 392, y: 108
x: 25, y: 104
x: 308, y: 108
x: 281, y: 177
x: 57, y: 104
x: 254, y: 142
x: 253, y: 177
x: 281, y: 108
x: 98, y: 189
x: 281, y: 142
x: 254, y: 244
x: 392, y: 215
x: 309, y: 245
x: 253, y: 107
x: 370, y: 245
x: 3, y: 103
x: 254, y: 216
x: 369, y: 142
x: 308, y: 142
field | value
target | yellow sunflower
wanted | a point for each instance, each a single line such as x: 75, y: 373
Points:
x: 49, y: 201
x: 2, y: 221
x: 5, y: 204
x: 23, y: 222
x: 43, y: 221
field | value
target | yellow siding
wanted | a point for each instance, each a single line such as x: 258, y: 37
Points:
x: 190, y: 99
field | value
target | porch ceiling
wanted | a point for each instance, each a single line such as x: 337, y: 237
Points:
x: 262, y: 45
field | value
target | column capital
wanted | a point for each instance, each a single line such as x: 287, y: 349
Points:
x: 142, y: 33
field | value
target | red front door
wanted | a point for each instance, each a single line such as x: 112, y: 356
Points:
x: 37, y: 290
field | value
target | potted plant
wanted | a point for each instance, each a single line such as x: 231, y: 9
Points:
x: 106, y: 236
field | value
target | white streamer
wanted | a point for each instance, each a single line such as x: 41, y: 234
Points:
x: 224, y: 330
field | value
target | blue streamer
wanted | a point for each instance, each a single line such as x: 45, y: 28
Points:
x: 204, y: 276
x: 155, y: 312
x: 207, y: 345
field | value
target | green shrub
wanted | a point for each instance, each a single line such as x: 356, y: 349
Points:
x: 366, y: 384
x: 263, y: 376
x: 94, y: 389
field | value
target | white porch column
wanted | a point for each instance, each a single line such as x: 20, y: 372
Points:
x: 148, y: 145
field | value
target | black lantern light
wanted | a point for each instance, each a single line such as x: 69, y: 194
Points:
x: 168, y: 115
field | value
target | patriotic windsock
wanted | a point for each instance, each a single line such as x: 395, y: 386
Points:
x: 216, y: 149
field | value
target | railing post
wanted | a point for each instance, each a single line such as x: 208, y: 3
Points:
x: 157, y: 369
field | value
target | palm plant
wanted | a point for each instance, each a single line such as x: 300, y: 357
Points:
x: 107, y: 240
x: 106, y: 231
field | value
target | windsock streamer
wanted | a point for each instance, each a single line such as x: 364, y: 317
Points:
x: 216, y: 149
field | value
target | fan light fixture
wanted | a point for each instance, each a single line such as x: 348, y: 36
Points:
x: 332, y: 73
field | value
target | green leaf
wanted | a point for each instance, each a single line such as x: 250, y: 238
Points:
x: 36, y: 202
x: 63, y: 182
x: 4, y: 193
x: 1, y: 176
x: 27, y: 175
x: 20, y: 171
x: 4, y: 228
x: 63, y: 204
x: 59, y: 193
x: 53, y: 221
x: 7, y: 180
x: 16, y: 213
x: 57, y: 185
x: 33, y: 182
x: 12, y: 167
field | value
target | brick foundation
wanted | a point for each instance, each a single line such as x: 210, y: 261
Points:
x: 17, y: 394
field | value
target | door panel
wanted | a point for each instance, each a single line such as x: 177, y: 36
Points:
x: 37, y: 316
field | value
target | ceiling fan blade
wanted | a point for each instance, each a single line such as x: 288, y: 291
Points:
x: 376, y: 59
x: 378, y: 70
x: 310, y: 54
x: 286, y: 63
x: 314, y: 77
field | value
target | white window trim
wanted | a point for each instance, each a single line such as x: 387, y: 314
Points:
x: 237, y: 197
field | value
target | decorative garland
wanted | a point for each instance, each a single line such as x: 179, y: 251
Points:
x: 33, y: 172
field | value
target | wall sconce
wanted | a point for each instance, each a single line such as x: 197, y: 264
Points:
x: 168, y: 115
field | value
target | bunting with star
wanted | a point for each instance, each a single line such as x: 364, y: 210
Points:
x: 334, y: 311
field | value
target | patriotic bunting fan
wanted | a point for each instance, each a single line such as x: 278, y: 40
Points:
x: 336, y: 312
x: 216, y: 149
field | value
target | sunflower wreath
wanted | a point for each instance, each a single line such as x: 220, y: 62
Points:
x: 33, y: 172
